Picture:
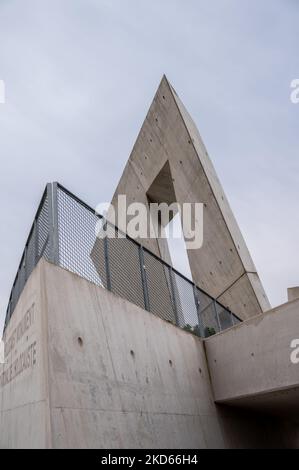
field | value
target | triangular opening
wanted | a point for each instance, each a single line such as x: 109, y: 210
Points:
x: 162, y: 190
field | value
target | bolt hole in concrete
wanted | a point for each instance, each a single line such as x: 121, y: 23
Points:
x: 80, y: 341
x: 199, y: 370
x: 170, y: 362
x: 132, y: 353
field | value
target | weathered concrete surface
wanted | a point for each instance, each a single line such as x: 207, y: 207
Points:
x: 170, y: 163
x: 133, y: 380
x: 24, y: 390
x: 293, y: 293
x: 250, y: 364
x: 108, y: 374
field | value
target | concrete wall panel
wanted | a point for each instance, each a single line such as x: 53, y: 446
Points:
x: 132, y: 371
x: 24, y: 399
x: 108, y: 374
x: 253, y: 358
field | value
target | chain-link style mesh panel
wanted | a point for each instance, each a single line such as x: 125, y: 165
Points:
x: 77, y: 236
x: 31, y: 252
x: 21, y: 279
x: 159, y: 288
x: 36, y: 246
x: 82, y: 242
x: 42, y: 228
x: 186, y: 304
x: 208, y: 314
x: 125, y: 270
x: 236, y: 320
x: 225, y: 317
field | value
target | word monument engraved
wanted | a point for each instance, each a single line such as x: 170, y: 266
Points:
x: 19, y: 356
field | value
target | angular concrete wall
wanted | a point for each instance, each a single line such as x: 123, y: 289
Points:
x: 107, y: 374
x: 104, y: 373
x: 121, y: 377
x: 24, y: 388
x: 169, y: 138
x: 251, y: 365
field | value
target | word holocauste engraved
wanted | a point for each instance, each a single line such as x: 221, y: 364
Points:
x: 24, y: 361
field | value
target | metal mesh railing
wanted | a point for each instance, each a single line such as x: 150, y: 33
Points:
x: 37, y: 245
x: 64, y: 231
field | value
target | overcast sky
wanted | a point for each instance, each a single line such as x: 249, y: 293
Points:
x: 80, y: 76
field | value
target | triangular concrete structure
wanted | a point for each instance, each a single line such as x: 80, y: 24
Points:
x: 223, y: 266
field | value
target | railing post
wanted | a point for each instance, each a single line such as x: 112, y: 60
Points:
x: 26, y: 271
x: 216, y: 314
x: 175, y: 308
x: 53, y: 223
x: 35, y: 234
x: 144, y: 279
x: 106, y: 255
x: 197, y: 304
x: 7, y: 317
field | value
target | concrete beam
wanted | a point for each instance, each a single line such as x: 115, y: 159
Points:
x: 293, y: 293
x: 250, y: 364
